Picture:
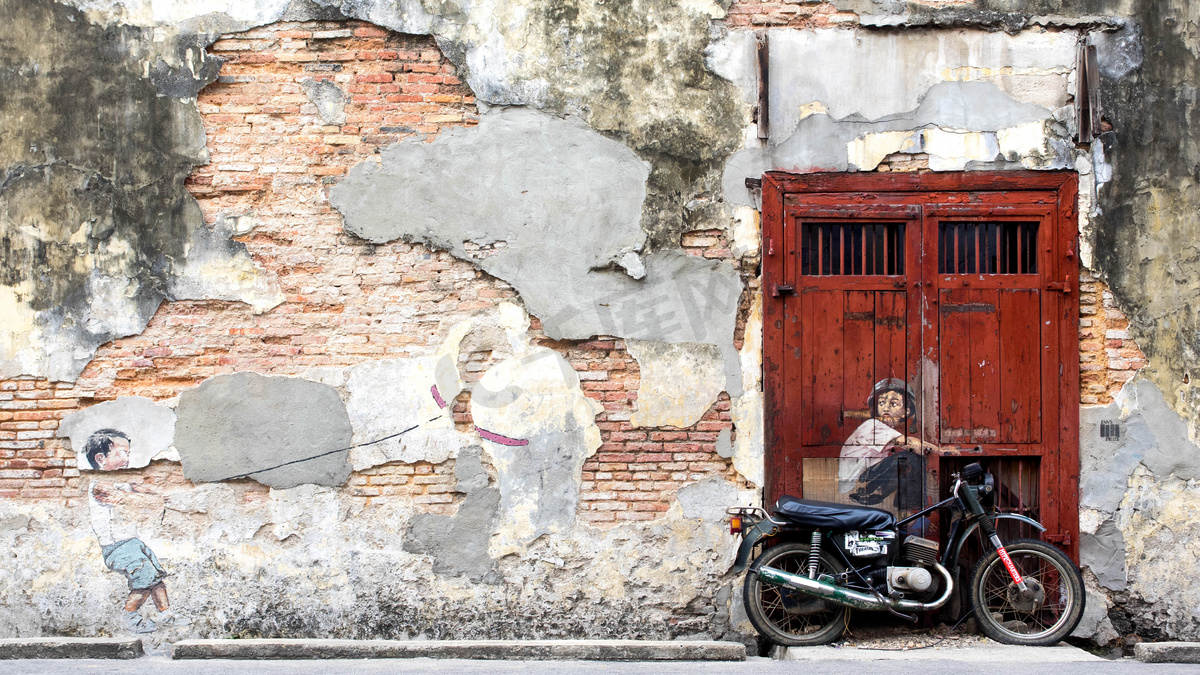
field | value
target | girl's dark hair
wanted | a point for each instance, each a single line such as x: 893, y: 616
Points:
x: 100, y: 443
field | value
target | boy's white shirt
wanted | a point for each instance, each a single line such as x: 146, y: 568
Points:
x: 107, y: 531
x: 863, y: 449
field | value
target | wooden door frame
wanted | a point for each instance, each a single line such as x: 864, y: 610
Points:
x: 1061, y: 500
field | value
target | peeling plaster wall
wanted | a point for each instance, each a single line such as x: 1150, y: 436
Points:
x: 678, y: 382
x: 606, y: 132
x: 248, y: 563
x: 563, y: 228
x: 637, y: 76
x: 94, y: 191
x: 1138, y: 515
x: 967, y: 99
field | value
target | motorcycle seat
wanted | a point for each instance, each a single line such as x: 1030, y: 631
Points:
x: 827, y: 515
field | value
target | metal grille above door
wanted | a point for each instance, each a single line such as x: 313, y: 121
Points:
x: 987, y: 247
x: 851, y: 248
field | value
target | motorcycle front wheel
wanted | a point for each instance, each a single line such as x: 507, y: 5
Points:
x: 1045, y: 619
x: 789, y: 617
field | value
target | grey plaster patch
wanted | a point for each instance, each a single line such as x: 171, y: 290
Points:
x: 724, y: 443
x: 1104, y: 465
x: 468, y: 470
x: 245, y: 422
x: 678, y: 382
x: 1103, y: 552
x: 149, y: 426
x: 459, y: 543
x: 1151, y: 433
x: 518, y: 178
x: 328, y: 98
x: 553, y: 208
x: 707, y: 499
x: 1172, y: 453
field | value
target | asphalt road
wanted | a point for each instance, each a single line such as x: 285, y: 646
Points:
x: 755, y: 666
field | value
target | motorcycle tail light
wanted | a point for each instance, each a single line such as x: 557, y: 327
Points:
x: 735, y: 525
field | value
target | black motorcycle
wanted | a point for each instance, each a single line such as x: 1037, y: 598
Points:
x: 820, y: 559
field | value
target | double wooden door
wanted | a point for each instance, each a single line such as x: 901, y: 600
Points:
x: 951, y: 296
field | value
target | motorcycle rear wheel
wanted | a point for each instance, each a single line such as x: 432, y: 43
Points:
x: 788, y: 617
x: 1005, y: 617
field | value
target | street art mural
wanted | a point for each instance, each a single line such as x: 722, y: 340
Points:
x: 883, y: 458
x: 290, y: 244
x: 121, y: 545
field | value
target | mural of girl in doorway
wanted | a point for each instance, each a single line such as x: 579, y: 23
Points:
x: 881, y: 458
x: 122, y: 549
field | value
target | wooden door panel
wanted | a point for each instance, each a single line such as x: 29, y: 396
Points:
x: 851, y: 341
x: 891, y: 336
x: 990, y: 378
x: 985, y: 374
x: 1020, y: 370
x: 822, y: 314
x: 859, y: 348
x: 954, y: 366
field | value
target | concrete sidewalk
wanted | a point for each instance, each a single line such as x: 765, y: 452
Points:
x: 422, y: 666
x: 976, y: 653
x: 540, y: 650
x: 70, y: 648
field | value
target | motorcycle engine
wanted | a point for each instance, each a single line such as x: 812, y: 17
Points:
x: 916, y: 579
x: 916, y: 551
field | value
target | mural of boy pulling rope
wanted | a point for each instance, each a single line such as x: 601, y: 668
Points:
x: 123, y: 551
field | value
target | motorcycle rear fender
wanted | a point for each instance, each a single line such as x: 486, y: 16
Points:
x: 955, y: 548
x: 750, y: 538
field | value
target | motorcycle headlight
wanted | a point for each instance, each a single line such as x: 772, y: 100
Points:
x: 987, y: 490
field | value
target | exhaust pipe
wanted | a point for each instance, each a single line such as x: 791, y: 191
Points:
x: 850, y: 597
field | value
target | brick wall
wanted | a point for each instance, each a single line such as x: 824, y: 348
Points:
x: 789, y: 13
x: 347, y: 301
x: 1108, y: 356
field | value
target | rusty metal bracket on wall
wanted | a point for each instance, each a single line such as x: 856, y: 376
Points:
x: 763, y: 112
x: 1087, y: 94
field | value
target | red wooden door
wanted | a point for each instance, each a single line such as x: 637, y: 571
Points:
x: 950, y: 298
